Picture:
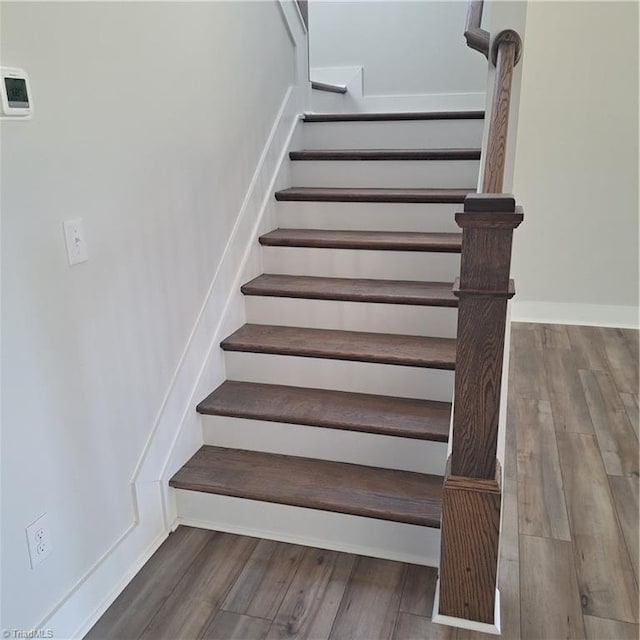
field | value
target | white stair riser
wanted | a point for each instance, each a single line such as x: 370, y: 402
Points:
x: 341, y: 375
x: 368, y: 216
x: 370, y: 449
x: 437, y: 322
x: 310, y: 527
x: 354, y: 263
x: 426, y: 174
x: 402, y: 134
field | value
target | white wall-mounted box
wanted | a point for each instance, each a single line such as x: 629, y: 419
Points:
x: 15, y: 94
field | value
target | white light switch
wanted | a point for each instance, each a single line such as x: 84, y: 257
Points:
x: 74, y: 239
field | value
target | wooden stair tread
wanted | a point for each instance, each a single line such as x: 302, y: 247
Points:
x: 437, y: 294
x: 327, y: 86
x: 373, y: 194
x: 385, y: 154
x: 387, y: 494
x: 385, y: 415
x: 372, y: 240
x: 404, y: 115
x: 412, y: 351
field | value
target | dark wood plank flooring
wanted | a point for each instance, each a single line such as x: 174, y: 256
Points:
x: 569, y: 546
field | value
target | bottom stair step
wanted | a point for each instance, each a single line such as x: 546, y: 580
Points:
x: 399, y: 496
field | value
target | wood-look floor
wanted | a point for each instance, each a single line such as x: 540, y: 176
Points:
x: 569, y: 556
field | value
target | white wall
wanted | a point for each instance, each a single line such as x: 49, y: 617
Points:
x: 576, y: 172
x: 405, y: 48
x: 149, y: 123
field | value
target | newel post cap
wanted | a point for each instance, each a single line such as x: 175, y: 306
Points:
x: 490, y: 211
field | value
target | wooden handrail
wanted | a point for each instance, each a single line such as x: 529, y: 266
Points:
x: 505, y: 54
x: 472, y: 488
x: 477, y: 38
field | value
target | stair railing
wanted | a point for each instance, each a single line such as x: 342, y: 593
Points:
x: 472, y: 486
x: 477, y: 38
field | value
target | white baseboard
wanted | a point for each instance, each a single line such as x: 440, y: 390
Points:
x: 598, y: 315
x: 311, y: 527
x: 109, y: 575
x: 462, y: 623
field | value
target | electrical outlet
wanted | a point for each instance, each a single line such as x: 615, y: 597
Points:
x: 74, y: 239
x: 39, y: 540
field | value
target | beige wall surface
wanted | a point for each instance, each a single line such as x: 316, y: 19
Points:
x: 576, y: 168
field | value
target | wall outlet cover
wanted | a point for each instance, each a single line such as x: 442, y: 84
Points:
x: 39, y: 540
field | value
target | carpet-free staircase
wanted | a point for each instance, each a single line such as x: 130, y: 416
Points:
x: 347, y: 356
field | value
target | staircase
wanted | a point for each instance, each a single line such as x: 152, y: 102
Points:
x: 338, y: 398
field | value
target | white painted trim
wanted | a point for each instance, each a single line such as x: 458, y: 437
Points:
x: 310, y: 527
x: 597, y: 315
x: 285, y: 6
x: 143, y: 537
x: 425, y: 102
x: 120, y: 586
x: 294, y: 24
x: 318, y: 543
x: 339, y: 445
x: 324, y: 102
x: 462, y: 623
x: 356, y: 98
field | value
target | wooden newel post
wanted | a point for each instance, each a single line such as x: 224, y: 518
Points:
x: 471, y: 500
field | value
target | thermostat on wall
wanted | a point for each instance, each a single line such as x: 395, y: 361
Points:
x: 15, y: 93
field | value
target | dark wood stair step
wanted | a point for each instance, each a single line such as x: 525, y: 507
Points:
x: 372, y: 240
x: 385, y: 154
x: 435, y: 294
x: 412, y: 351
x: 404, y: 115
x: 327, y: 86
x: 386, y: 494
x: 385, y: 415
x: 373, y: 194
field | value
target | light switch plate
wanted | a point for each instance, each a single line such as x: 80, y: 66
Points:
x: 74, y: 239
